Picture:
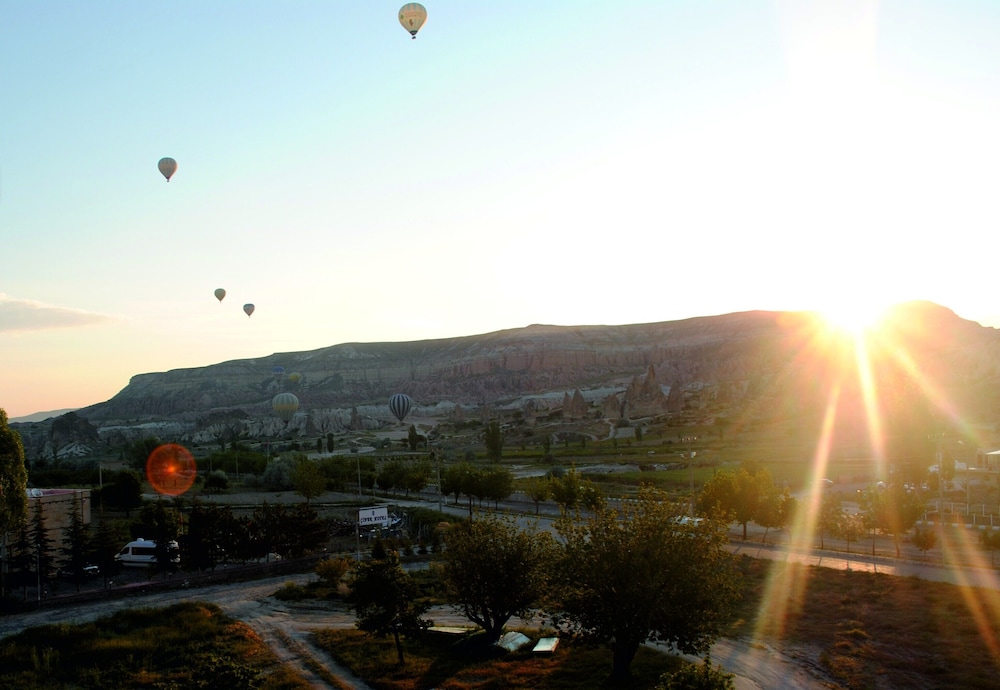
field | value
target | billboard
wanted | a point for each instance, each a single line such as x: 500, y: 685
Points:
x: 370, y: 517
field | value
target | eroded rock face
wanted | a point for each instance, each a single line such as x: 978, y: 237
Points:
x: 773, y: 360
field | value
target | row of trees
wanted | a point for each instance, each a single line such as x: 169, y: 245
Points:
x: 206, y: 536
x: 749, y: 494
x: 618, y: 578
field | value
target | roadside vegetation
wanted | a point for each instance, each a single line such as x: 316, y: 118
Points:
x: 188, y: 645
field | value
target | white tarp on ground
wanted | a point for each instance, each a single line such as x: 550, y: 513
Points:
x: 546, y: 645
x: 513, y: 641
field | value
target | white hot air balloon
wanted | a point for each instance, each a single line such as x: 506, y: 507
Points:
x: 167, y: 166
x: 412, y: 16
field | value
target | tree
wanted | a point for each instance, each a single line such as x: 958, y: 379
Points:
x: 308, y: 532
x: 104, y: 547
x: 775, y: 510
x: 386, y: 600
x: 138, y: 453
x: 161, y: 524
x: 278, y: 473
x: 538, y: 489
x: 495, y: 570
x: 924, y: 539
x: 390, y: 476
x: 76, y: 552
x: 498, y: 483
x: 412, y: 438
x: 566, y: 491
x: 830, y: 511
x: 42, y: 545
x: 202, y: 546
x: 308, y: 480
x: 216, y: 482
x: 873, y: 511
x: 990, y: 540
x: 451, y: 480
x: 330, y: 443
x: 22, y: 559
x: 850, y: 527
x: 744, y: 495
x: 902, y: 510
x: 642, y: 575
x: 494, y: 441
x: 415, y: 477
x: 13, y: 489
x: 124, y: 493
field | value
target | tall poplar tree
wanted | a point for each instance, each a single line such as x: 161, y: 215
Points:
x: 76, y: 551
x: 13, y: 489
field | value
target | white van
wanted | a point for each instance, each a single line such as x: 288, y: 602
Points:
x: 142, y: 552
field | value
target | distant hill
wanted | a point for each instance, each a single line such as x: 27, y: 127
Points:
x: 41, y: 416
x: 926, y: 366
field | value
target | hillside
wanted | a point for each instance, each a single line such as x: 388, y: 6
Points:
x: 925, y: 362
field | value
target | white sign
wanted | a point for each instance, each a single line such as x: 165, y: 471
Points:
x: 373, y: 516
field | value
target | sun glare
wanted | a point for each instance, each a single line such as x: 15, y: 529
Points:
x: 855, y: 317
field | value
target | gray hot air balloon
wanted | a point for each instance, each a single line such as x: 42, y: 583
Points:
x: 167, y: 166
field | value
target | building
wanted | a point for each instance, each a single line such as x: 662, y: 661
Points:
x: 57, y: 509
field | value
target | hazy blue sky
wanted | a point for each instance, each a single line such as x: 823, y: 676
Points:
x: 519, y: 162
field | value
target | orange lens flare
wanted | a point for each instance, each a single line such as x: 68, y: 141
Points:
x: 171, y: 469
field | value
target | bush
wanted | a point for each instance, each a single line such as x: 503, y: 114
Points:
x: 292, y: 592
x: 697, y: 677
x: 332, y: 571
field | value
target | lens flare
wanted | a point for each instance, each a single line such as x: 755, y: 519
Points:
x: 171, y: 469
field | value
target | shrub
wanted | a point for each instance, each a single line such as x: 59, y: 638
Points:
x: 697, y: 677
x: 292, y: 592
x: 332, y: 571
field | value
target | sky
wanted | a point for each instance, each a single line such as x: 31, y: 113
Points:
x: 517, y: 163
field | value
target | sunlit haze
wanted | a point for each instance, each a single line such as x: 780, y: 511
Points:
x: 518, y: 163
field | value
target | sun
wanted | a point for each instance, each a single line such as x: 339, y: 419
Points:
x: 855, y: 316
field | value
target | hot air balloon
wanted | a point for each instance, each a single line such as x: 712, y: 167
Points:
x: 248, y: 308
x: 295, y: 377
x: 220, y: 294
x: 167, y: 166
x: 399, y: 405
x: 285, y: 406
x: 278, y: 371
x: 412, y: 16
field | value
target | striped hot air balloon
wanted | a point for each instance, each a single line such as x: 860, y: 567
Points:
x: 285, y: 405
x: 412, y: 16
x: 399, y: 405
